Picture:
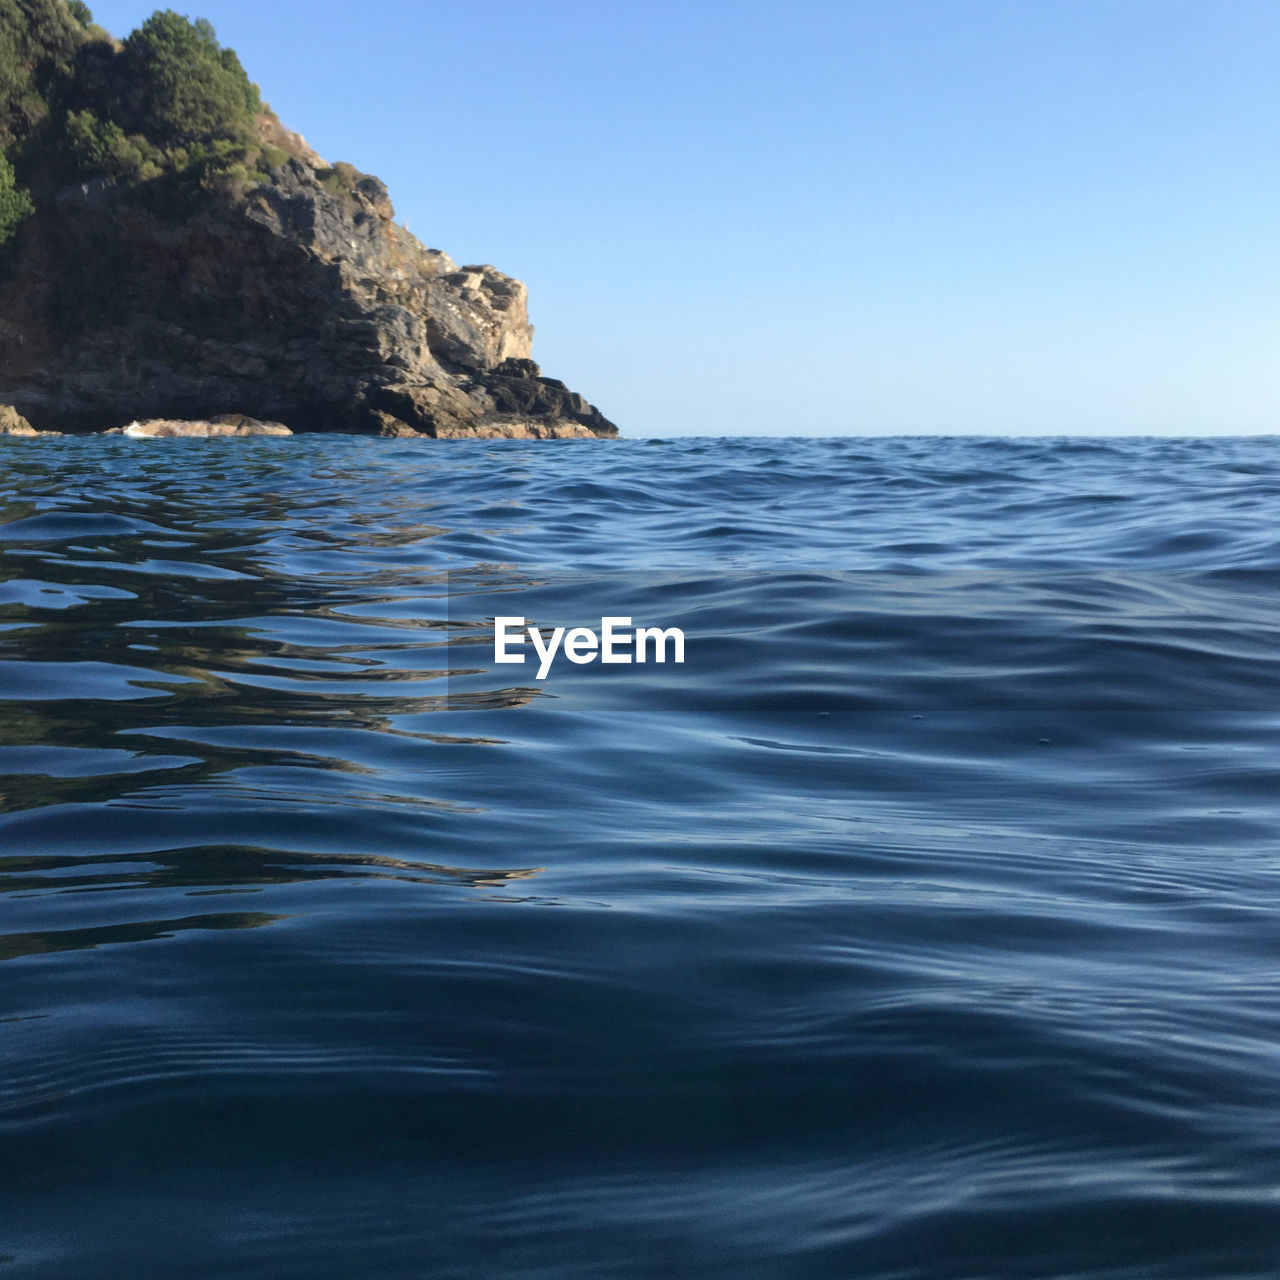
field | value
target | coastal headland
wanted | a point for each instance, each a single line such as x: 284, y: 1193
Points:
x: 171, y: 252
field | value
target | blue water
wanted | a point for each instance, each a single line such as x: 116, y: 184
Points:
x: 924, y: 923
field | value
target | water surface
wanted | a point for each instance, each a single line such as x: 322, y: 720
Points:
x: 926, y: 923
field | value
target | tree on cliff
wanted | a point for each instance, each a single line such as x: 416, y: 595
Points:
x: 181, y: 86
x: 38, y: 43
x: 170, y: 102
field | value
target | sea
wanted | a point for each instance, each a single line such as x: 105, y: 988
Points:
x: 923, y: 923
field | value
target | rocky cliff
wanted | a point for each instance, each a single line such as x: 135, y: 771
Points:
x: 290, y: 294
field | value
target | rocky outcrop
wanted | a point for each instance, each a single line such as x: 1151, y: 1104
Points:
x: 12, y: 423
x: 232, y: 424
x: 296, y: 300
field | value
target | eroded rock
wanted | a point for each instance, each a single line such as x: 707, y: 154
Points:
x: 12, y: 423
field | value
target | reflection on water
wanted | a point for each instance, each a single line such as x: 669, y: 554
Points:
x: 15, y: 945
x: 922, y: 925
x: 223, y: 867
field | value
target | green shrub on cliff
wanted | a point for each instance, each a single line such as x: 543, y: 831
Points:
x: 341, y: 178
x: 15, y: 204
x: 100, y: 146
x: 92, y: 142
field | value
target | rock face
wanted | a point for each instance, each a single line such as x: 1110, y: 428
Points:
x: 297, y: 300
x: 12, y: 423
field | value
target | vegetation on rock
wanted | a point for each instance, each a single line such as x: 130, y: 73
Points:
x: 39, y: 40
x: 168, y: 103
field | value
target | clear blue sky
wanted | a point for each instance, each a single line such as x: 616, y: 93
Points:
x: 1002, y: 216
